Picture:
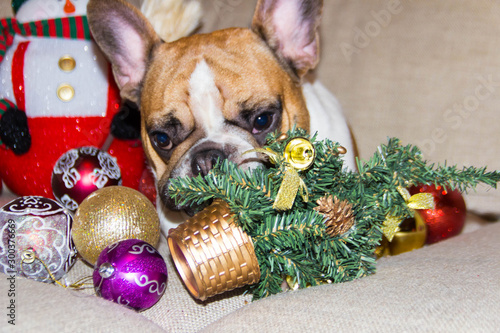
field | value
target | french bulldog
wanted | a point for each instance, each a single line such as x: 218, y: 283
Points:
x: 215, y: 96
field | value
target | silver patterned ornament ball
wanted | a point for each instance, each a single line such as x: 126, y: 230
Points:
x: 36, y: 239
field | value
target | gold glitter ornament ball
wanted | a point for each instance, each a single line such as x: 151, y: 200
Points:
x: 112, y: 214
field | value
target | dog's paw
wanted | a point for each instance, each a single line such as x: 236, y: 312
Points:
x: 126, y: 123
x: 14, y: 131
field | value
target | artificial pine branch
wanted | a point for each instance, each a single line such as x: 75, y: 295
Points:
x: 295, y: 243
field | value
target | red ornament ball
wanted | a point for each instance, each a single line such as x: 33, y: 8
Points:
x: 448, y: 217
x: 82, y: 171
x: 147, y: 185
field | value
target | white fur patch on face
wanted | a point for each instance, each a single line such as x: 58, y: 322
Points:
x: 206, y: 100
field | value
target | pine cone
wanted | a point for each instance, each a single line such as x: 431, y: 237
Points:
x: 339, y: 214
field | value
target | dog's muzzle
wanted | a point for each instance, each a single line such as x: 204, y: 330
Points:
x: 201, y: 161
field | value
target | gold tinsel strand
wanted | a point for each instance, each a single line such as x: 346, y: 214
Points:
x: 339, y: 214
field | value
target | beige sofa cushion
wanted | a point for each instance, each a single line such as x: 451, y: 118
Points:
x: 451, y: 286
x: 49, y: 308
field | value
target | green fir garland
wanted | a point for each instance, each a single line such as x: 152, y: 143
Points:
x: 294, y: 244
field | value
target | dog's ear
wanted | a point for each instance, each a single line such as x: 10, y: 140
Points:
x: 290, y: 28
x: 126, y: 38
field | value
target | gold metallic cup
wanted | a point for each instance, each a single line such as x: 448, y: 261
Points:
x: 409, y: 240
x: 411, y: 237
x: 212, y: 254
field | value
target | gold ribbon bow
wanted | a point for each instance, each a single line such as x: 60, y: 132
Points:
x: 299, y: 155
x: 416, y: 201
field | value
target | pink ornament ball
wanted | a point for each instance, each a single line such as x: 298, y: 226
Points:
x: 132, y: 273
x: 81, y: 171
x: 35, y: 236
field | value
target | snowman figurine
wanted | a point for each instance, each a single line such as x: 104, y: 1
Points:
x: 57, y: 93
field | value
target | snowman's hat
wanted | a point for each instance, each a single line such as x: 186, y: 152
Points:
x: 16, y: 4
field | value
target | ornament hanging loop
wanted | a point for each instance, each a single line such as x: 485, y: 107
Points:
x: 29, y: 256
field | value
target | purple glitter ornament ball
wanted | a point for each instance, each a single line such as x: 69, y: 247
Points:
x: 132, y: 273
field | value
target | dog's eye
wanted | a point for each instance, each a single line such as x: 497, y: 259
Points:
x: 262, y: 122
x: 162, y: 140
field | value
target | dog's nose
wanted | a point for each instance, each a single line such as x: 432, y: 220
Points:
x: 205, y: 160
